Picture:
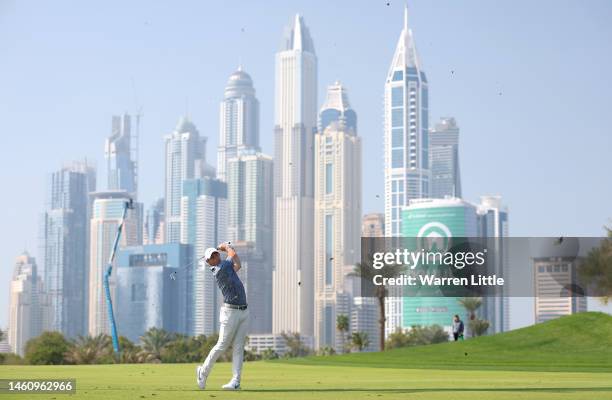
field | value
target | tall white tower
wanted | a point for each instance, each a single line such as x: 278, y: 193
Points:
x: 406, y: 115
x: 295, y: 126
x: 337, y: 213
x: 185, y: 159
x: 203, y: 225
x: 239, y: 121
x: 118, y: 150
x: 25, y: 313
x: 493, y: 216
x: 106, y: 217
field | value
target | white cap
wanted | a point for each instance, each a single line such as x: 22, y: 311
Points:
x: 209, y: 252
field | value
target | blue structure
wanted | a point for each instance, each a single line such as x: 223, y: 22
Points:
x: 107, y: 274
x: 154, y: 289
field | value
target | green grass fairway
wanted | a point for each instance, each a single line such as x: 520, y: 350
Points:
x: 266, y: 380
x: 569, y: 358
x: 580, y: 342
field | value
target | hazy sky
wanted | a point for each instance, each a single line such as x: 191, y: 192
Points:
x: 529, y: 83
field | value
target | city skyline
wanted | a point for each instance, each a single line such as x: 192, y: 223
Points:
x: 209, y: 132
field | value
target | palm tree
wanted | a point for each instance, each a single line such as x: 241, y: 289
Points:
x: 90, y: 350
x: 342, y: 325
x: 471, y: 304
x: 359, y: 340
x: 153, y: 342
x: 295, y: 345
x: 269, y: 354
x: 367, y: 273
x: 130, y: 353
x: 326, y: 351
x: 479, y: 327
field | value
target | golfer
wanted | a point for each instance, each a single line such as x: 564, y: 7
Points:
x: 233, y: 318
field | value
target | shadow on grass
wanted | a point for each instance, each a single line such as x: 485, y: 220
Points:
x: 401, y: 390
x: 430, y: 390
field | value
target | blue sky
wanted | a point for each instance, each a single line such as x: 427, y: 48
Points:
x: 528, y: 82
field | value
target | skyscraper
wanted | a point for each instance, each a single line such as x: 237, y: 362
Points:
x: 449, y: 218
x: 239, y: 125
x: 203, y: 225
x: 295, y: 125
x: 65, y: 248
x: 444, y: 159
x: 493, y: 216
x: 337, y: 212
x: 256, y: 275
x: 25, y: 314
x: 364, y: 318
x: 154, y: 225
x: 250, y: 194
x: 406, y: 116
x: 106, y: 216
x: 365, y: 312
x: 337, y: 109
x: 251, y: 200
x: 118, y: 150
x: 250, y: 221
x: 185, y: 159
x: 154, y: 289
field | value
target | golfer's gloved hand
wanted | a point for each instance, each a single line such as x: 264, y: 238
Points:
x: 224, y: 246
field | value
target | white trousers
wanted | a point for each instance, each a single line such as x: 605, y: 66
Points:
x: 232, y: 332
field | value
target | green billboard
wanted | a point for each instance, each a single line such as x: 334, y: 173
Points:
x: 439, y: 221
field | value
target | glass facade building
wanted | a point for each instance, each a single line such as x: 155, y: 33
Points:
x: 65, y: 248
x: 107, y: 211
x: 118, y: 151
x: 185, y: 159
x: 406, y: 155
x: 154, y: 289
x: 444, y: 159
x: 203, y: 225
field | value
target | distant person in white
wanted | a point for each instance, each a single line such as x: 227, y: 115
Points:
x: 233, y: 318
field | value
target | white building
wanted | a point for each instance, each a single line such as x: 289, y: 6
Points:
x: 64, y: 235
x: 185, y: 159
x: 239, y: 120
x: 261, y: 342
x: 406, y: 115
x: 373, y: 225
x: 295, y: 125
x: 444, y: 159
x: 365, y: 318
x: 203, y: 225
x: 25, y: 314
x: 106, y: 216
x: 256, y: 275
x: 553, y: 280
x: 251, y: 220
x: 337, y: 213
x: 120, y: 153
x: 493, y: 217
